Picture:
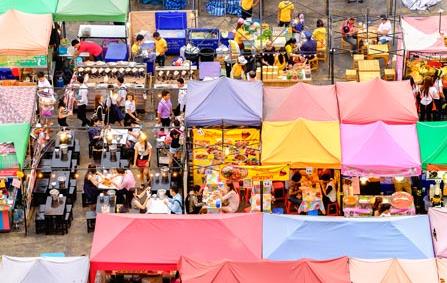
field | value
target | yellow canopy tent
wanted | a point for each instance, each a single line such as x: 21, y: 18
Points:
x: 301, y: 143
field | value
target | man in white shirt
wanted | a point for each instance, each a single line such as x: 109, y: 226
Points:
x: 181, y: 96
x: 82, y: 101
x: 384, y: 31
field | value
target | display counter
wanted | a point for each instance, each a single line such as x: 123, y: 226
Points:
x: 401, y: 203
x: 166, y: 77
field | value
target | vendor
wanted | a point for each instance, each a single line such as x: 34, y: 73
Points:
x: 231, y: 199
x: 268, y: 55
x: 92, y: 48
x: 238, y: 72
x: 319, y: 34
x: 240, y: 34
x: 247, y: 8
x: 281, y: 60
x: 285, y: 12
x: 136, y: 46
x: 175, y: 203
x: 161, y: 47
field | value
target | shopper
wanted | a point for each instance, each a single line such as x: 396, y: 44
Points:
x: 142, y: 157
x: 115, y: 115
x: 175, y: 203
x: 309, y: 47
x: 194, y: 205
x: 238, y: 70
x: 100, y: 112
x: 427, y: 93
x: 91, y: 184
x: 122, y: 93
x: 230, y: 201
x: 92, y: 48
x: 174, y: 147
x: 182, y: 91
x: 285, y: 12
x: 161, y: 47
x: 349, y: 33
x: 247, y: 8
x: 131, y: 112
x: 384, y: 30
x: 127, y: 185
x: 298, y: 24
x: 438, y: 96
x: 62, y: 114
x: 164, y: 109
x: 82, y: 102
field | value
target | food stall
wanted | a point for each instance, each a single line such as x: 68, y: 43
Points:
x: 99, y: 75
x: 25, y: 48
x: 204, y: 37
x: 424, y: 43
x: 92, y: 11
x: 172, y: 27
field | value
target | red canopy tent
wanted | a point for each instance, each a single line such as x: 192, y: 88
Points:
x: 265, y: 271
x: 306, y: 101
x: 376, y: 100
x: 156, y: 242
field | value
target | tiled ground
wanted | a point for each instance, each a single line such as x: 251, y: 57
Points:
x: 78, y: 242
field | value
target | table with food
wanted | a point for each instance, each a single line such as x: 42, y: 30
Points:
x: 156, y: 203
x: 107, y: 180
x: 363, y: 205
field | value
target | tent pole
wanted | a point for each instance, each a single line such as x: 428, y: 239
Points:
x: 331, y: 55
x: 394, y: 22
x: 24, y: 194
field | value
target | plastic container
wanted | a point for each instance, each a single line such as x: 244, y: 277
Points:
x: 313, y: 212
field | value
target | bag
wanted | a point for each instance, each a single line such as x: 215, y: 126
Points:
x: 181, y: 206
x: 96, y: 115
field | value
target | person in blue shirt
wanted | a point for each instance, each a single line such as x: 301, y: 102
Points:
x: 309, y: 47
x: 298, y: 24
x: 175, y: 203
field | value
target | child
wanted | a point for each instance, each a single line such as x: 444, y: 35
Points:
x: 384, y: 210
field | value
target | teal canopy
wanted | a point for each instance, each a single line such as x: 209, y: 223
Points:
x: 92, y: 10
x: 29, y: 6
x: 17, y: 134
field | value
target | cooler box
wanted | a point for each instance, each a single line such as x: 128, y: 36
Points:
x: 172, y: 27
x: 225, y: 39
x: 117, y: 52
x: 204, y: 37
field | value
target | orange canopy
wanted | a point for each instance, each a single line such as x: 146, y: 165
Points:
x: 376, y: 100
x: 24, y: 34
x: 306, y: 101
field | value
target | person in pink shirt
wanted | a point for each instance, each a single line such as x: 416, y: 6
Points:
x: 93, y: 48
x: 127, y: 184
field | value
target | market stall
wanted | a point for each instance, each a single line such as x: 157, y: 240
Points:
x: 224, y: 102
x: 92, y: 11
x: 196, y: 271
x: 44, y: 269
x: 306, y: 101
x: 424, y: 43
x: 24, y: 44
x: 288, y: 237
x: 433, y: 145
x: 362, y: 103
x: 393, y: 270
x: 32, y: 7
x: 211, y: 237
x: 438, y: 227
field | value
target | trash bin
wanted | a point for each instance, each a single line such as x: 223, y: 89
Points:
x: 207, y: 54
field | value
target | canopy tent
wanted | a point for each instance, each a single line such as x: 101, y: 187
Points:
x: 287, y: 237
x: 307, y: 101
x: 27, y: 6
x: 92, y: 11
x: 376, y: 100
x: 44, y: 269
x: 393, y: 270
x: 224, y: 101
x: 21, y: 36
x: 264, y: 271
x: 301, y: 143
x: 17, y: 134
x: 422, y: 33
x: 378, y: 149
x: 433, y: 144
x: 438, y: 225
x: 205, y: 237
x: 17, y: 104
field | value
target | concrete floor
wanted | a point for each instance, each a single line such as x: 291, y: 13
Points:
x: 78, y: 241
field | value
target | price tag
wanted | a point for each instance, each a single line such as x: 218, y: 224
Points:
x: 309, y: 170
x: 16, y: 183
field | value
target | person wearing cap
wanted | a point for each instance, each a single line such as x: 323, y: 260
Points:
x: 309, y: 47
x: 349, y: 33
x: 285, y: 12
x: 237, y: 72
x: 247, y: 8
x: 384, y: 30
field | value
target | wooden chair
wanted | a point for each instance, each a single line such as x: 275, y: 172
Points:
x: 333, y: 209
x: 351, y: 75
x: 355, y: 59
x: 322, y: 54
x: 314, y: 64
x: 390, y: 75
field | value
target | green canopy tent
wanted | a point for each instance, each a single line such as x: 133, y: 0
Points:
x: 29, y: 6
x: 433, y: 144
x: 92, y: 11
x: 17, y: 134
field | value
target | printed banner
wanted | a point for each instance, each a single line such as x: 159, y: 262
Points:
x: 214, y: 147
x: 255, y: 173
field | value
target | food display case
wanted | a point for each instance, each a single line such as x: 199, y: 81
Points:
x: 204, y: 37
x: 99, y: 75
x: 172, y: 27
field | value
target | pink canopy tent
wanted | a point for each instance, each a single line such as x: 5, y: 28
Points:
x: 438, y: 225
x: 376, y: 100
x: 265, y: 271
x: 156, y: 242
x: 393, y: 270
x: 422, y: 33
x: 378, y: 149
x: 22, y: 36
x: 306, y: 101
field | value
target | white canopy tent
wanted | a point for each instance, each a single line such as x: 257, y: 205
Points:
x: 44, y: 269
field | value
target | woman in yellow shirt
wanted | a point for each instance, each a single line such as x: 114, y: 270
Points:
x: 285, y: 12
x: 240, y: 34
x: 247, y: 8
x: 281, y: 60
x: 238, y: 72
x: 319, y: 34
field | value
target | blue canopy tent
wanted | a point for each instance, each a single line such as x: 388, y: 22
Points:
x: 295, y: 237
x: 224, y: 101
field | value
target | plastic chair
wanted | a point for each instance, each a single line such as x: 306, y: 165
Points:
x: 333, y: 207
x: 279, y: 187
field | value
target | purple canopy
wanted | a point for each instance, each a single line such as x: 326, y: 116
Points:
x: 224, y: 101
